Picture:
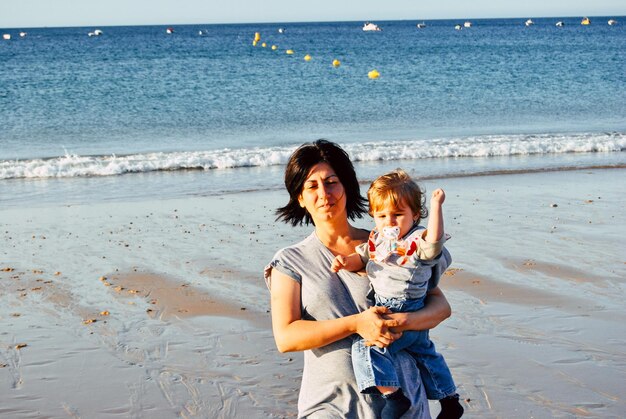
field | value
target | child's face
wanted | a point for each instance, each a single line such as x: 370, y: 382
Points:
x: 390, y: 216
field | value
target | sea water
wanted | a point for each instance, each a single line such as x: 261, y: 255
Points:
x: 136, y: 112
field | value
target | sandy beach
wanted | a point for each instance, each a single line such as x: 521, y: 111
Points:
x: 158, y: 309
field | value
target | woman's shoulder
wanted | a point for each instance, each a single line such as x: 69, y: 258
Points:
x: 294, y: 259
x: 298, y: 249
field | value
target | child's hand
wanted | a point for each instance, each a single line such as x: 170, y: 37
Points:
x: 338, y: 263
x: 438, y: 197
x: 352, y: 263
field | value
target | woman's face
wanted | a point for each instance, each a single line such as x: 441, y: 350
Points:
x: 323, y: 194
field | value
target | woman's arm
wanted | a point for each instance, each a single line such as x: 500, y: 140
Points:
x: 291, y: 333
x: 434, y: 312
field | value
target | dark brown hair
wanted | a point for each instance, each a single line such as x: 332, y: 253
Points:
x: 298, y: 168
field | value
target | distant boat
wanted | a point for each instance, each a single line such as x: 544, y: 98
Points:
x: 529, y: 22
x: 585, y: 21
x: 371, y: 27
x: 559, y: 24
x: 169, y: 31
x: 22, y: 34
x: 421, y: 25
x: 467, y: 24
x: 6, y: 36
x: 97, y: 32
x: 281, y: 30
x: 458, y: 27
x: 612, y: 22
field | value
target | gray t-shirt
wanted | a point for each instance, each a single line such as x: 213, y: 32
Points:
x: 328, y: 388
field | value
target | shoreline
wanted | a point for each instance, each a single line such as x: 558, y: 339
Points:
x: 526, y: 171
x: 537, y: 329
x: 191, y: 184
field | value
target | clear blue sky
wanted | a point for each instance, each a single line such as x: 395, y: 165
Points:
x: 38, y: 13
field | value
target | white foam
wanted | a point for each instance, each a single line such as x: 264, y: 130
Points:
x: 492, y: 145
x: 72, y: 165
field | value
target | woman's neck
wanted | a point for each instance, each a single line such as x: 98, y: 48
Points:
x: 339, y: 238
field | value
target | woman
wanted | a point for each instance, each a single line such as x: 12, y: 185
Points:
x: 319, y: 311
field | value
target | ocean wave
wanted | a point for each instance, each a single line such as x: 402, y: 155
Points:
x: 72, y: 165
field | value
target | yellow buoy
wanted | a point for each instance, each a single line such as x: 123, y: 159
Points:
x: 257, y: 36
x: 336, y: 63
x: 307, y: 57
x: 289, y: 52
x: 254, y: 43
x: 263, y: 44
x: 374, y: 74
x: 274, y: 47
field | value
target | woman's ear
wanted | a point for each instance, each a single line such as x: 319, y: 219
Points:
x: 300, y: 201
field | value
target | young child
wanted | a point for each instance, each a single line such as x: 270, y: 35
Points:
x: 399, y: 259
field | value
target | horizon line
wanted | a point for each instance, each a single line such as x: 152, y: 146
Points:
x: 309, y: 21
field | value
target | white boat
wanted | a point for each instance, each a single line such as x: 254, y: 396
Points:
x: 169, y: 31
x: 22, y: 34
x: 458, y: 27
x: 467, y: 24
x: 281, y: 30
x: 371, y: 27
x: 559, y: 24
x: 612, y: 22
x: 421, y: 25
x: 529, y: 22
x: 97, y: 32
x: 6, y: 36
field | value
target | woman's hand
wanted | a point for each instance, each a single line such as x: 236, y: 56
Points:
x: 436, y: 310
x: 375, y: 328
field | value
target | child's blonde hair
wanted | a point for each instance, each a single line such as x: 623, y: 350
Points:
x: 393, y: 188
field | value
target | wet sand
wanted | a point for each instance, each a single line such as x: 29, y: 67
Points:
x: 158, y: 309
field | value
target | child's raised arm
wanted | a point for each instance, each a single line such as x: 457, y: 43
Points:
x: 352, y: 263
x: 434, y: 231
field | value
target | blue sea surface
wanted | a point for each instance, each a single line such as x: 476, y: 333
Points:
x: 139, y: 100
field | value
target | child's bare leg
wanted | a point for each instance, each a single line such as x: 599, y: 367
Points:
x: 386, y: 390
